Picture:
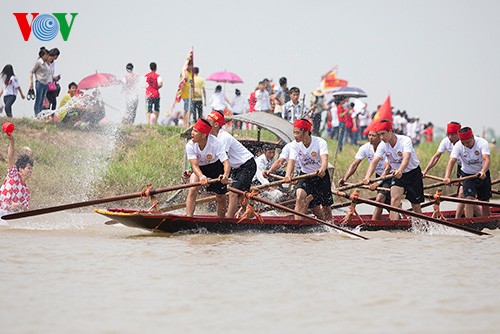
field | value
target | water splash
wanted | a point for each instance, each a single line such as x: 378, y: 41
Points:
x: 421, y: 226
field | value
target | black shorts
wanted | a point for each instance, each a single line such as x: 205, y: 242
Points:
x: 413, y: 185
x: 153, y: 102
x: 243, y: 175
x: 213, y: 171
x: 387, y: 194
x: 481, y: 189
x: 319, y: 187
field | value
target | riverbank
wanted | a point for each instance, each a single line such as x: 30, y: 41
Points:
x: 74, y: 165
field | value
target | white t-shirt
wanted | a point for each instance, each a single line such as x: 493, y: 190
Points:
x: 309, y: 157
x: 235, y: 150
x: 218, y: 101
x: 263, y: 102
x: 367, y: 152
x: 394, y: 155
x: 262, y: 165
x: 471, y: 158
x: 11, y: 88
x: 285, y: 154
x: 447, y: 145
x: 213, y: 151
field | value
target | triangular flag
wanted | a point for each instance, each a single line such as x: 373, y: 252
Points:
x: 184, y: 76
x: 383, y: 112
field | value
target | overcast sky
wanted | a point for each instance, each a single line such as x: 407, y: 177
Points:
x: 437, y: 59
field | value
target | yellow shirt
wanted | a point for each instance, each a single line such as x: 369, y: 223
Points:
x: 187, y: 87
x: 199, y: 85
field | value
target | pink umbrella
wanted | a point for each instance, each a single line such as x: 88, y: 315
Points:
x: 98, y: 80
x: 225, y: 76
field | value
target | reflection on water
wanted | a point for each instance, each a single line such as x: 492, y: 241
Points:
x: 68, y: 272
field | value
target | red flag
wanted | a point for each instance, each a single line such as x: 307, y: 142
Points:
x: 330, y: 80
x: 184, y: 76
x: 383, y: 112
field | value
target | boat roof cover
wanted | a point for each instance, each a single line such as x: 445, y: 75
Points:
x: 277, y: 125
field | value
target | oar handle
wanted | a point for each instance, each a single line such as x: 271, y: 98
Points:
x: 460, y: 179
x: 151, y: 192
x: 464, y: 200
x: 358, y: 184
x: 437, y: 178
x: 276, y: 183
x: 409, y: 213
x: 284, y: 208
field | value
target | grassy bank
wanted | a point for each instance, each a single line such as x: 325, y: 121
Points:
x: 73, y: 165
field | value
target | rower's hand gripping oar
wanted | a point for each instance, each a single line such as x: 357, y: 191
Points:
x: 284, y: 208
x: 409, y: 213
x: 359, y: 184
x: 151, y: 192
x: 278, y: 182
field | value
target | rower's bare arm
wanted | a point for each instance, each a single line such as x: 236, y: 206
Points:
x: 434, y: 160
x: 371, y: 169
x: 324, y: 165
x: 351, y: 170
x: 227, y: 170
x: 406, y: 160
x: 196, y: 169
x: 289, y: 170
x: 486, y: 166
x: 449, y: 168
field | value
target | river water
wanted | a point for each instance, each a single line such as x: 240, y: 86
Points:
x: 70, y: 273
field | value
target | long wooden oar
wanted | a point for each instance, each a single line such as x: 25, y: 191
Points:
x: 284, y: 208
x: 439, y: 184
x: 278, y: 182
x: 413, y: 214
x: 495, y: 182
x: 37, y: 212
x: 465, y: 201
x: 358, y: 184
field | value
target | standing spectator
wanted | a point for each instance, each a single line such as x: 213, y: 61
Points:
x: 293, y: 109
x: 14, y: 194
x: 218, y: 101
x: 332, y: 120
x: 41, y: 71
x: 200, y: 95
x: 153, y: 84
x: 130, y: 90
x: 342, y: 117
x: 239, y: 105
x: 429, y: 132
x: 282, y: 97
x: 363, y: 120
x: 11, y: 87
x: 53, y: 88
x: 263, y: 101
x: 317, y: 107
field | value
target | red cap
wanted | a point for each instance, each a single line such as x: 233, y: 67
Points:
x: 383, y: 126
x: 465, y: 135
x: 203, y: 127
x: 302, y: 124
x: 8, y: 128
x: 218, y: 117
x: 452, y: 128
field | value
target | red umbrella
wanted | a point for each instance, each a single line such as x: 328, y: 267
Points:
x: 225, y: 76
x: 98, y: 80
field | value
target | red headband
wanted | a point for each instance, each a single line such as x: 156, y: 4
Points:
x: 452, y: 128
x: 465, y: 135
x: 302, y: 124
x: 218, y: 117
x: 202, y: 127
x: 383, y: 126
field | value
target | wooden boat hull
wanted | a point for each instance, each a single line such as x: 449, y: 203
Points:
x: 173, y: 223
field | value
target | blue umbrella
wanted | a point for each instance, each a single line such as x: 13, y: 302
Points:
x: 349, y: 92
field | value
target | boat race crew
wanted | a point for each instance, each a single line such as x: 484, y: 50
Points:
x: 447, y: 144
x: 474, y: 153
x: 283, y: 157
x: 208, y: 159
x: 399, y: 152
x: 241, y: 160
x: 367, y: 151
x: 311, y: 153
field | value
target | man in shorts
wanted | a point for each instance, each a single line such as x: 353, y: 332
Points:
x: 208, y: 160
x: 399, y: 152
x: 474, y: 153
x: 243, y: 166
x: 311, y: 153
x: 153, y: 84
x: 367, y: 151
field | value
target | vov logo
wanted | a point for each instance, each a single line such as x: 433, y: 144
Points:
x: 45, y: 27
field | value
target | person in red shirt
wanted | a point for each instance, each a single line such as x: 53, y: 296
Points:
x: 14, y: 194
x: 153, y: 84
x: 342, y: 116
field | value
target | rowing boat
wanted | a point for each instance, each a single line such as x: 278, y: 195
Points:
x: 173, y: 223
